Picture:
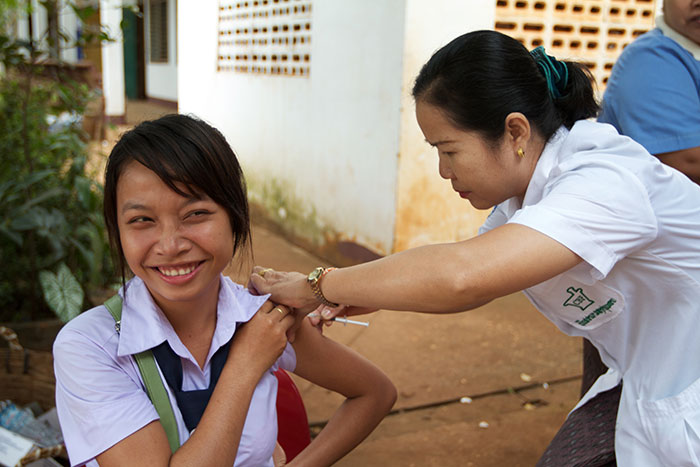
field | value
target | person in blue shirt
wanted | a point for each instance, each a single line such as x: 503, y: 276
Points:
x: 653, y: 95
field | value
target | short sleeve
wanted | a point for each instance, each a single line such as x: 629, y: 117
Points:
x: 497, y: 217
x: 288, y: 359
x: 653, y: 96
x: 99, y: 403
x: 600, y: 211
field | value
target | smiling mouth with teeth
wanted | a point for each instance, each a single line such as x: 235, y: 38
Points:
x: 177, y: 271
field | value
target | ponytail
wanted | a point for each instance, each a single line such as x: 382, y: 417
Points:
x: 578, y: 101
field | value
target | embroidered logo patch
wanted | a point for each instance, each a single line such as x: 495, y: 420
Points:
x: 578, y: 299
x: 598, y: 311
x: 571, y: 303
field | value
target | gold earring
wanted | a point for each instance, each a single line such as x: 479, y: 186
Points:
x: 521, y: 153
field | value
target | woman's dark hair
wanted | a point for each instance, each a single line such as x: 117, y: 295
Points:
x: 481, y: 77
x: 185, y: 150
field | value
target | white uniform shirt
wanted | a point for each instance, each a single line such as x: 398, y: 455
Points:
x: 635, y: 222
x: 101, y: 398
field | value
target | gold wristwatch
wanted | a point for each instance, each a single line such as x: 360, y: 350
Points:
x: 314, y: 280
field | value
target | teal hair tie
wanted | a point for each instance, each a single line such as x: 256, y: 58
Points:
x: 555, y: 72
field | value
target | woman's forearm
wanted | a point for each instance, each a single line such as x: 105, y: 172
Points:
x: 443, y: 278
x: 350, y: 424
x: 218, y: 434
x: 421, y: 279
x: 369, y: 394
x: 452, y: 277
x: 213, y: 443
x: 255, y: 347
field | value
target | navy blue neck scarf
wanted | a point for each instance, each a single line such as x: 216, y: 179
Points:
x: 191, y: 403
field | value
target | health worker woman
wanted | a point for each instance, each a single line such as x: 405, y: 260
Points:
x: 602, y: 237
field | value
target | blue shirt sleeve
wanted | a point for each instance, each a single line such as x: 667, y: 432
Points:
x: 653, y: 95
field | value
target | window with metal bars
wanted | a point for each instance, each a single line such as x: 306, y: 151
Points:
x: 158, y: 30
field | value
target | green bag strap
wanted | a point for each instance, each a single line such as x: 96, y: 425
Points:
x: 151, y: 378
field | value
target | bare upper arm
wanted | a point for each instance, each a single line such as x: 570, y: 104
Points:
x: 145, y: 447
x: 511, y: 258
x: 685, y: 160
x: 334, y: 366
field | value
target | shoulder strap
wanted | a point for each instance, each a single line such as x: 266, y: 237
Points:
x: 151, y: 378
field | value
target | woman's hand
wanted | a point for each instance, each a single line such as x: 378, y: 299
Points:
x: 292, y: 289
x: 325, y: 314
x: 262, y: 340
x: 288, y: 288
x: 279, y: 457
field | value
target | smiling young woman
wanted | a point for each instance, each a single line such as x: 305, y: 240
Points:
x: 177, y: 245
x: 177, y: 214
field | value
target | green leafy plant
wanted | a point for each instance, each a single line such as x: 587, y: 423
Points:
x: 52, y: 235
x: 62, y: 292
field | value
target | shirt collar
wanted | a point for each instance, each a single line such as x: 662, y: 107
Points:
x: 144, y: 326
x: 547, y: 161
x: 535, y: 188
x: 236, y: 305
x: 683, y: 41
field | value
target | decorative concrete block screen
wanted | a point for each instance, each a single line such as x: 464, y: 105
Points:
x: 270, y: 37
x: 590, y: 31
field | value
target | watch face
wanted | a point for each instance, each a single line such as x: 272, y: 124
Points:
x: 315, y: 274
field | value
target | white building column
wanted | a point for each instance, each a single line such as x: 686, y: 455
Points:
x: 113, y: 61
x: 427, y: 210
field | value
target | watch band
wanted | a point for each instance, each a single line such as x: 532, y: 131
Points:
x: 315, y: 283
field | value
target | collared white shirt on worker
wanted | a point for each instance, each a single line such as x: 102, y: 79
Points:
x: 635, y: 222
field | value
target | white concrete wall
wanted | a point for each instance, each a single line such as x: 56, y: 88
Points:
x: 22, y: 27
x: 113, y: 59
x: 39, y: 24
x: 320, y: 150
x: 68, y: 24
x: 161, y: 78
x: 338, y: 155
x: 428, y: 210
